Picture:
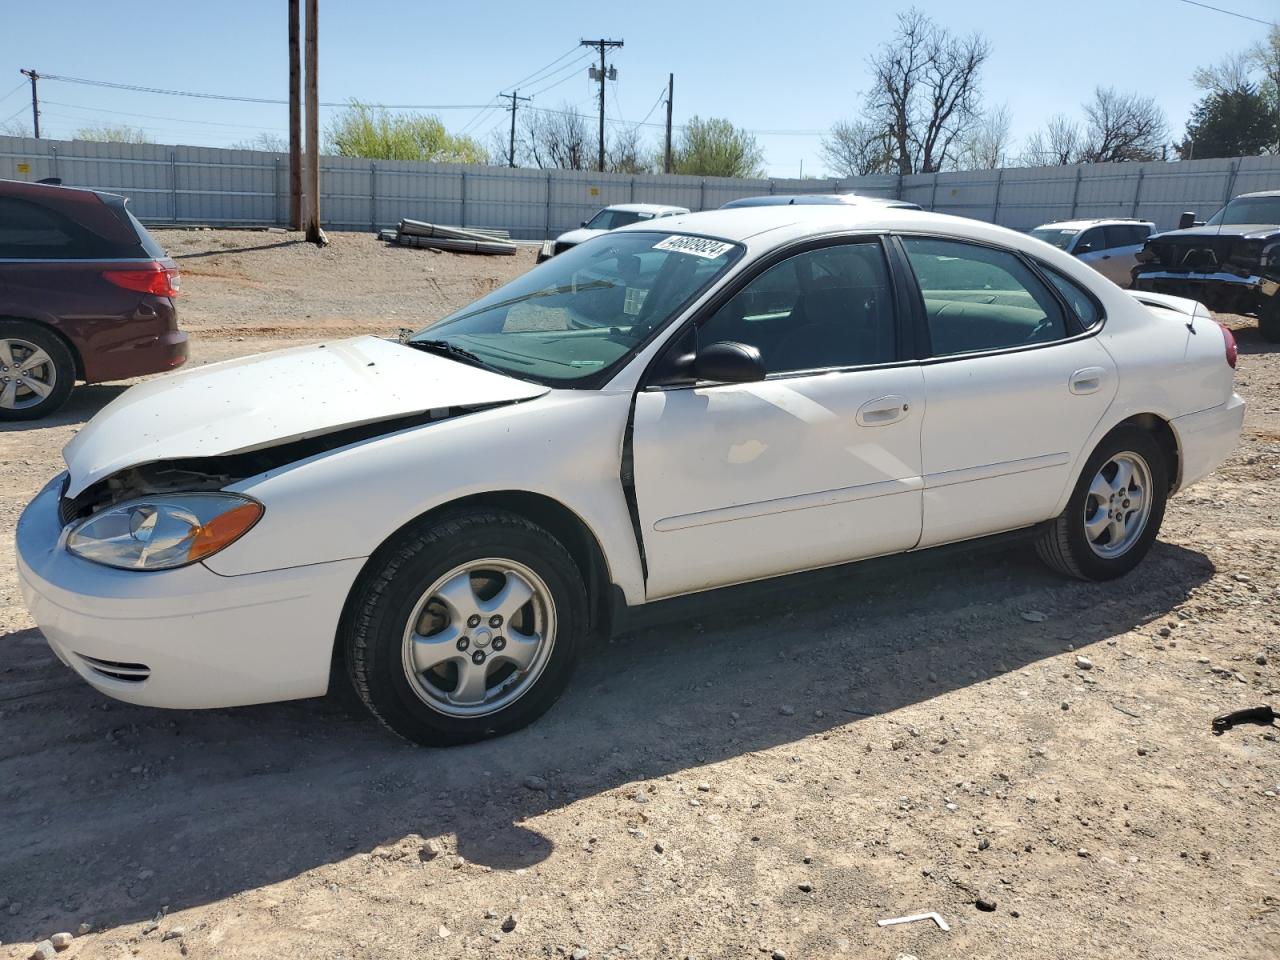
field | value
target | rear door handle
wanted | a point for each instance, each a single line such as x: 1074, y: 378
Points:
x: 883, y: 411
x: 1087, y: 380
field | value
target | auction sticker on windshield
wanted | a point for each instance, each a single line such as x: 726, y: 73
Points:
x: 698, y: 246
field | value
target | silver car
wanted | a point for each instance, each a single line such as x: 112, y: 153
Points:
x: 1109, y: 246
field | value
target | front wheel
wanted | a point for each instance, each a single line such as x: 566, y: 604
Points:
x: 1114, y: 512
x: 467, y: 628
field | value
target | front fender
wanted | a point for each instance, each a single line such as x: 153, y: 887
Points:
x: 343, y: 504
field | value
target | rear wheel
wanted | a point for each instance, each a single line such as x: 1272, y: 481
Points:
x: 1269, y: 320
x: 37, y: 371
x: 468, y: 628
x: 1115, y: 510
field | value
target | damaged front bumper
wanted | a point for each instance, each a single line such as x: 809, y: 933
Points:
x: 1220, y: 290
x: 185, y: 638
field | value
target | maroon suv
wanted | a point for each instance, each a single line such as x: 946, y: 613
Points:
x: 85, y: 294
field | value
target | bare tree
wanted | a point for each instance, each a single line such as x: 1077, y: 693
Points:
x: 1232, y: 72
x: 555, y: 139
x: 1060, y: 143
x: 986, y: 146
x: 925, y: 91
x: 625, y: 152
x: 1123, y: 126
x: 858, y: 148
x: 15, y: 128
x: 270, y: 142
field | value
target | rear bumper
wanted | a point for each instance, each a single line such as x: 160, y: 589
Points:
x: 1207, y: 438
x: 147, y: 342
x: 186, y: 638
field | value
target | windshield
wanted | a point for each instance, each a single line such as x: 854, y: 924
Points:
x: 1247, y: 210
x: 1059, y: 238
x: 579, y: 314
x: 608, y: 219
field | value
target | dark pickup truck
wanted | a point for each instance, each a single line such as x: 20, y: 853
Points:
x: 1230, y: 262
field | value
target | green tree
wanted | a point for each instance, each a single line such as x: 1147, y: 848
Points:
x: 716, y: 148
x: 1239, y: 122
x: 366, y: 130
x: 107, y: 133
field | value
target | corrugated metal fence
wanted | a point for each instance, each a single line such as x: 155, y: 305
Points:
x: 206, y: 185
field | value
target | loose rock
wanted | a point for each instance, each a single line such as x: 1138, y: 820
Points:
x: 509, y: 924
x: 985, y: 904
x: 44, y: 951
x: 787, y: 710
x: 580, y: 953
x: 1083, y: 663
x: 177, y: 933
x: 60, y: 941
x: 535, y: 783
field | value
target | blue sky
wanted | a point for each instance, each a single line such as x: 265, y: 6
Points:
x: 765, y: 66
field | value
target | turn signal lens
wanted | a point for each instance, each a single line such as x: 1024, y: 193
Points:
x: 163, y: 532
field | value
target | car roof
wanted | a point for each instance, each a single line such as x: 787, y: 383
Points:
x: 50, y: 191
x: 1082, y: 224
x: 1260, y: 193
x: 763, y: 228
x: 815, y: 199
x: 646, y: 208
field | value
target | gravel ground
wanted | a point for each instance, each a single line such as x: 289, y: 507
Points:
x: 759, y: 773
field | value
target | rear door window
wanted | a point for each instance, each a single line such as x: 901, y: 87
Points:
x: 979, y: 298
x: 1095, y: 237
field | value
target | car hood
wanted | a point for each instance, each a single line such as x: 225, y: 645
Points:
x: 1246, y: 231
x: 272, y: 398
x: 577, y: 236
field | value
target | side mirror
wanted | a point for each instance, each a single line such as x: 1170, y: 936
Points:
x: 1083, y: 248
x: 584, y: 223
x: 1187, y: 220
x: 729, y: 362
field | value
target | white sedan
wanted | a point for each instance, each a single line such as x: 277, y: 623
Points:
x: 675, y: 406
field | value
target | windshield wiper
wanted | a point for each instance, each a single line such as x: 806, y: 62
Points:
x: 446, y: 349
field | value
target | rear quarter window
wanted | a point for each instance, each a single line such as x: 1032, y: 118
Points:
x: 1087, y: 311
x: 31, y: 231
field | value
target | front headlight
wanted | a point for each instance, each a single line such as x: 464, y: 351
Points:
x: 164, y: 531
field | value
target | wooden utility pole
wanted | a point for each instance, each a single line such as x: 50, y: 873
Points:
x: 602, y: 45
x: 35, y: 100
x: 515, y: 99
x: 671, y: 91
x: 314, y: 233
x: 295, y: 117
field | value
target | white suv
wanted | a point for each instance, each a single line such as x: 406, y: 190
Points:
x: 1109, y: 246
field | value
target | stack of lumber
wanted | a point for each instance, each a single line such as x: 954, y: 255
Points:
x: 433, y: 236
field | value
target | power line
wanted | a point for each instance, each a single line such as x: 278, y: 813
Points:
x: 136, y: 88
x: 536, y: 76
x: 573, y: 68
x: 152, y: 116
x: 21, y: 84
x: 1229, y: 13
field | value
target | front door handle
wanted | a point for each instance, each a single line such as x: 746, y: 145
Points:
x: 883, y: 411
x: 1088, y: 380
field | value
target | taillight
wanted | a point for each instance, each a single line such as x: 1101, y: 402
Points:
x: 153, y: 278
x: 1229, y: 340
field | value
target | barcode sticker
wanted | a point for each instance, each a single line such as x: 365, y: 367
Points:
x: 697, y: 246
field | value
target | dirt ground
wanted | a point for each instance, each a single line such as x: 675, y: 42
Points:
x: 759, y: 773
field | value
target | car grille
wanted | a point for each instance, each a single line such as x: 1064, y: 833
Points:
x: 115, y: 670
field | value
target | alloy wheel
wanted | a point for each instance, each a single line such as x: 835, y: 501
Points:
x: 479, y: 637
x: 27, y: 374
x: 1118, y: 505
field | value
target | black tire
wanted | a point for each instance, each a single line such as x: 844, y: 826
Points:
x: 60, y: 359
x: 1065, y: 546
x: 1269, y: 320
x: 373, y: 634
